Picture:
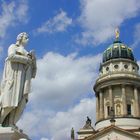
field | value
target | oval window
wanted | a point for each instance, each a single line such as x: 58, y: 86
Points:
x: 125, y: 66
x: 107, y: 68
x: 134, y: 69
x: 116, y: 66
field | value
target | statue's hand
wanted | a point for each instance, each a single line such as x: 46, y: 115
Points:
x: 29, y: 56
x: 29, y: 60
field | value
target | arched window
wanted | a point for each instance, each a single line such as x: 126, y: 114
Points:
x: 115, y: 52
x: 129, y: 112
x: 123, y: 53
x: 108, y: 110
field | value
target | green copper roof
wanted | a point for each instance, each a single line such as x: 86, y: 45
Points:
x: 118, y: 50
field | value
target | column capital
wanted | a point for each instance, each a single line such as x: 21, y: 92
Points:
x: 96, y: 94
x: 135, y: 87
x: 110, y: 87
x: 123, y: 85
x: 101, y: 90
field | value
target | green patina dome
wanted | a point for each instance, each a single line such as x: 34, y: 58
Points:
x: 118, y: 50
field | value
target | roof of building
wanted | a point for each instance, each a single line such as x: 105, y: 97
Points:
x: 110, y: 128
x: 118, y: 50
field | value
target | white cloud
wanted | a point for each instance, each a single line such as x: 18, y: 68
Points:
x: 44, y: 139
x: 58, y: 126
x: 58, y: 100
x: 1, y: 58
x: 99, y: 18
x: 1, y: 50
x: 61, y: 80
x: 58, y: 23
x: 61, y: 124
x: 22, y: 11
x: 11, y: 14
x: 136, y: 36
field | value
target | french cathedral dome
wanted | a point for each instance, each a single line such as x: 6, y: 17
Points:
x: 118, y: 50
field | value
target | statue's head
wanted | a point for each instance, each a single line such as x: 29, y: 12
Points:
x: 22, y: 39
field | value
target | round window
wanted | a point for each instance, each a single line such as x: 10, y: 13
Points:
x: 116, y: 66
x: 107, y: 68
x: 134, y: 69
x: 125, y: 66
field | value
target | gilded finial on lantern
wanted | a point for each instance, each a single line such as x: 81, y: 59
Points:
x: 117, y: 33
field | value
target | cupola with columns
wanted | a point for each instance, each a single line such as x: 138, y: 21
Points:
x: 118, y: 87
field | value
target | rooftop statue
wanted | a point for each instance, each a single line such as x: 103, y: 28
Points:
x: 88, y: 124
x: 72, y: 134
x: 117, y: 33
x: 19, y: 69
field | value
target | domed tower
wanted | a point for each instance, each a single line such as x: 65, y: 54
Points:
x: 118, y: 88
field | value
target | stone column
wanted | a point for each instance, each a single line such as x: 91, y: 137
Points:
x: 136, y: 102
x: 124, y: 101
x: 101, y: 105
x: 111, y: 97
x: 97, y: 108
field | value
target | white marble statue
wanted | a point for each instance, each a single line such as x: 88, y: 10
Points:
x: 19, y: 69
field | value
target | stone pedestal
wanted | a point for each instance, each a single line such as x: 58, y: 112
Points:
x: 83, y: 133
x: 10, y: 133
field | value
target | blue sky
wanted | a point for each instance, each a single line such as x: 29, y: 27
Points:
x: 69, y: 37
